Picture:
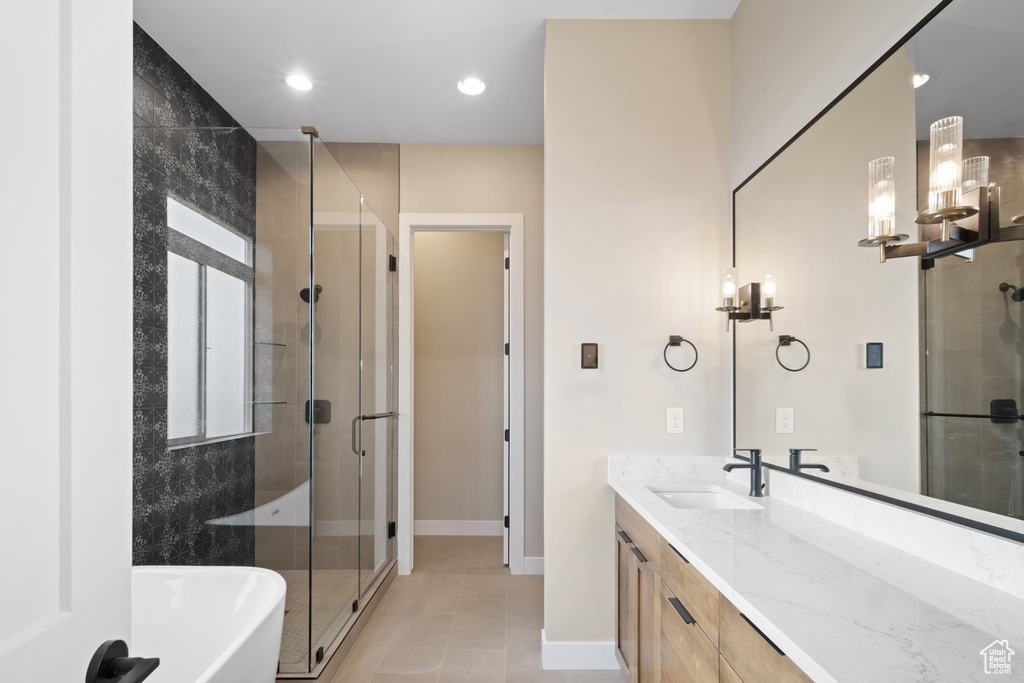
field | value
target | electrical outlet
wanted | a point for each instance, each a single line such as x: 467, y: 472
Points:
x: 783, y: 420
x: 674, y: 421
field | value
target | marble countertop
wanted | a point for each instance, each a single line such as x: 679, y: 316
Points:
x: 843, y: 606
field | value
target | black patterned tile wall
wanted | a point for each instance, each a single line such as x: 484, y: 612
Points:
x: 177, y: 491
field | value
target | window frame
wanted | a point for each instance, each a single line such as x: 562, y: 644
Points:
x: 207, y: 257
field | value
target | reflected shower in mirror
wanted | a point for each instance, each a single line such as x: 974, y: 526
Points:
x: 941, y: 417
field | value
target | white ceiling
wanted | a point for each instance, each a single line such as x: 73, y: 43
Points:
x: 384, y: 70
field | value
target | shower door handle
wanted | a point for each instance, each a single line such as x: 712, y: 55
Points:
x: 357, y: 418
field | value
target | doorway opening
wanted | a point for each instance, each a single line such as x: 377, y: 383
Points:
x: 460, y: 468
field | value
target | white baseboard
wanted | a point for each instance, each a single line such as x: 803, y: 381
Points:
x: 591, y: 656
x: 533, y: 565
x: 455, y: 527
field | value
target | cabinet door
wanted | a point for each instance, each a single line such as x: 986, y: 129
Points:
x: 628, y: 608
x: 649, y: 623
x: 639, y: 609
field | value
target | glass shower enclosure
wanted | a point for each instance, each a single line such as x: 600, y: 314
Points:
x: 325, y: 387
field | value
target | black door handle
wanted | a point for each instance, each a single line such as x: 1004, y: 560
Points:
x: 111, y: 664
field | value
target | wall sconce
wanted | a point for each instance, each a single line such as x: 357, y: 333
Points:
x: 963, y: 209
x: 755, y: 301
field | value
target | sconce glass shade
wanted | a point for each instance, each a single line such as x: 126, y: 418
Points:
x: 728, y: 287
x: 975, y: 173
x: 881, y: 197
x: 769, y: 289
x: 947, y: 142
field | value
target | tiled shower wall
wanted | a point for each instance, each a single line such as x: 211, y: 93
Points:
x: 176, y: 491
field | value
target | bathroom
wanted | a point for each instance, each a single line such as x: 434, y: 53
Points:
x: 729, y: 97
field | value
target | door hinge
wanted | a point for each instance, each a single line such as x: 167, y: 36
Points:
x: 392, y: 532
x: 355, y: 606
x: 506, y: 521
x: 506, y: 349
x: 320, y: 654
x: 506, y: 263
x: 392, y: 263
x: 506, y: 435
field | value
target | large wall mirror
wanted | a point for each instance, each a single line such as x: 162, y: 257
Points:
x: 918, y: 428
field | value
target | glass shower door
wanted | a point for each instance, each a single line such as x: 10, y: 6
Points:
x: 377, y: 394
x: 332, y: 283
x: 973, y: 369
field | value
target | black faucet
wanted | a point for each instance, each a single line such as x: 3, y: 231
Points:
x: 796, y: 465
x: 755, y: 470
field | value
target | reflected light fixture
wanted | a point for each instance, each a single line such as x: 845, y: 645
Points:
x: 920, y: 79
x: 471, y: 86
x: 755, y: 301
x: 299, y: 82
x: 963, y: 207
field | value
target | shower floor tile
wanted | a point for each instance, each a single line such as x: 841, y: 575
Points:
x: 333, y: 593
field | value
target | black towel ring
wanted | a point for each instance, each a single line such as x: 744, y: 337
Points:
x: 676, y: 340
x: 786, y: 340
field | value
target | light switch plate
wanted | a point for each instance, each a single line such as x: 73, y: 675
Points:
x: 588, y: 356
x: 873, y: 356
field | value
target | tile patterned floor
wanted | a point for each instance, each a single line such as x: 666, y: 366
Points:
x: 460, y: 617
x: 333, y: 593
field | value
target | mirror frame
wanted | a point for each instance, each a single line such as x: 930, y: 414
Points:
x: 899, y: 502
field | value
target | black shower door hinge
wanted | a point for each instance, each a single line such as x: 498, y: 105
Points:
x: 506, y: 521
x: 355, y: 607
x: 392, y: 263
x: 506, y: 348
x: 506, y: 435
x: 392, y: 532
x: 506, y: 263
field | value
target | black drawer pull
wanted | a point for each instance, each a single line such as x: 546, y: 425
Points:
x: 624, y: 537
x: 681, y: 557
x: 766, y: 638
x: 683, y: 612
x: 639, y: 555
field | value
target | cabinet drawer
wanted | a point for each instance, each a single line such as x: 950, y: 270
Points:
x: 687, y: 656
x: 690, y: 586
x: 752, y: 656
x: 725, y: 672
x: 642, y: 534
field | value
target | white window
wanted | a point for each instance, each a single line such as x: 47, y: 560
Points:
x: 209, y: 325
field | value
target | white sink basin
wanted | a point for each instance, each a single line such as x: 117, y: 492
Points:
x: 706, y: 497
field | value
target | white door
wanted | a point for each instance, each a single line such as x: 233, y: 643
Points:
x: 506, y: 487
x: 66, y: 341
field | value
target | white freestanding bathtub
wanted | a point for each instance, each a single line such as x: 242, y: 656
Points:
x: 208, y: 624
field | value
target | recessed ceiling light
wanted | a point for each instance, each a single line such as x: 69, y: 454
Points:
x: 471, y: 86
x: 920, y: 79
x: 299, y: 82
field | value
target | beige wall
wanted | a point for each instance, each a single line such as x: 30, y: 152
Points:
x: 459, y: 365
x: 790, y: 58
x: 636, y: 187
x: 373, y: 168
x: 496, y: 179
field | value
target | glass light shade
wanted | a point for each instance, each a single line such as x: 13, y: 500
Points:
x: 728, y: 286
x: 881, y: 197
x: 975, y: 173
x: 947, y: 143
x: 769, y: 287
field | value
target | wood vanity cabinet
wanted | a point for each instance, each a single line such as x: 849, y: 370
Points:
x: 673, y: 624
